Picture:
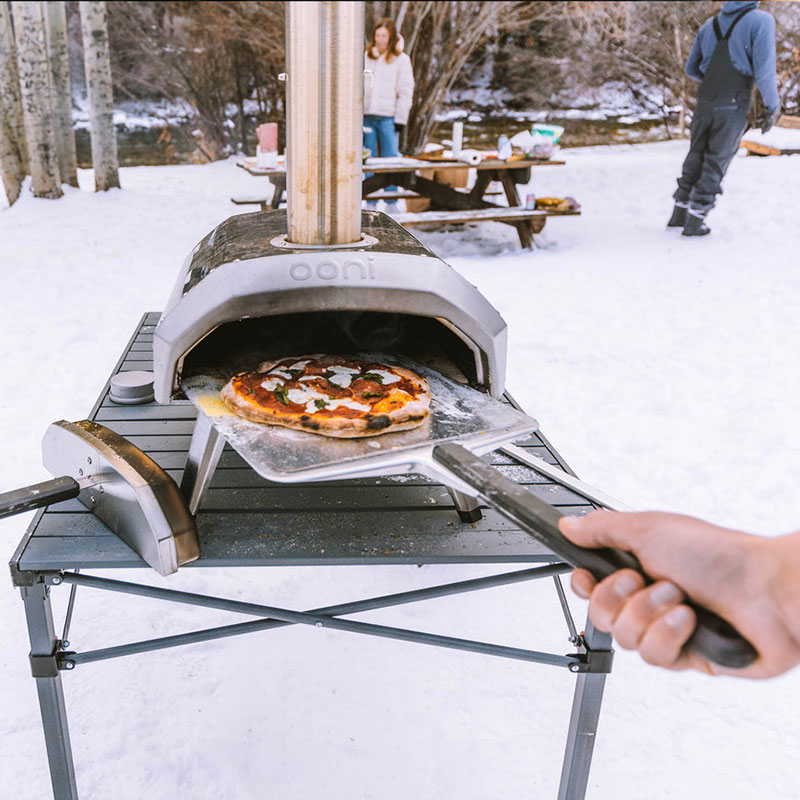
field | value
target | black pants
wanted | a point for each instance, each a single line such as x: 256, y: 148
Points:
x: 716, y: 133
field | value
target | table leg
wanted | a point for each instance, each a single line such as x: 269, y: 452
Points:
x: 583, y: 722
x: 482, y: 180
x: 525, y: 230
x: 374, y: 183
x: 279, y: 182
x: 39, y: 615
x: 205, y: 450
x: 469, y: 509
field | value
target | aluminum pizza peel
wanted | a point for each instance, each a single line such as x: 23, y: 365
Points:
x: 120, y: 485
x: 464, y: 424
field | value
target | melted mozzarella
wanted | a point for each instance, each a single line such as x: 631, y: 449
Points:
x: 387, y: 377
x: 299, y: 364
x: 343, y: 379
x: 348, y: 370
x: 308, y: 377
x: 308, y: 395
x: 270, y: 384
x: 347, y: 403
x: 301, y: 396
x: 281, y: 373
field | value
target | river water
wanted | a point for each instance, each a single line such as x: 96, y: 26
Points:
x: 171, y: 145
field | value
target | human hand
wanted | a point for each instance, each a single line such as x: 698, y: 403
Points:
x: 767, y: 120
x: 748, y: 580
x: 399, y: 127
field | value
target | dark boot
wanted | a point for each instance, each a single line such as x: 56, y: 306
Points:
x: 695, y: 225
x: 678, y: 218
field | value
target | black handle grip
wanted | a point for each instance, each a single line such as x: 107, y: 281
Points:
x: 18, y: 501
x: 713, y: 637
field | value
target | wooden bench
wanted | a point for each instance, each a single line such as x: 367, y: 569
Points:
x: 535, y: 218
x: 759, y: 149
x: 254, y: 200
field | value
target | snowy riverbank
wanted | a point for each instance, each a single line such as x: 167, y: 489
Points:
x: 663, y: 369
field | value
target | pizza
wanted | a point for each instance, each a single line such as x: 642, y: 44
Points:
x: 330, y: 395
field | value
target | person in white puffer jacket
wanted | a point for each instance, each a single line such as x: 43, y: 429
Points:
x: 387, y: 102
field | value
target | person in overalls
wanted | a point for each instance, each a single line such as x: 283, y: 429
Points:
x: 730, y: 52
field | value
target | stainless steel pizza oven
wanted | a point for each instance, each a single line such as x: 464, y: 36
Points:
x: 244, y: 295
x: 323, y: 276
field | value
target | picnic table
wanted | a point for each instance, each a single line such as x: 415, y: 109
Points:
x: 448, y: 204
x: 243, y: 521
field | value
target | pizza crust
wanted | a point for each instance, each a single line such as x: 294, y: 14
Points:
x: 384, y: 418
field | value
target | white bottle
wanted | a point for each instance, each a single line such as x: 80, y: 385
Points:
x: 503, y: 148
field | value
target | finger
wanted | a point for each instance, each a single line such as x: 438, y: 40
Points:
x: 641, y: 610
x: 583, y: 583
x: 610, y: 596
x: 604, y: 529
x: 664, y: 640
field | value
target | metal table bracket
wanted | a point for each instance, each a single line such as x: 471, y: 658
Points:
x: 588, y: 660
x: 45, y: 666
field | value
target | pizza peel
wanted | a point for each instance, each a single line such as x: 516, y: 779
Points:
x: 464, y: 424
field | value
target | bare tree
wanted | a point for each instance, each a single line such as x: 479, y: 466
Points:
x: 210, y: 54
x: 56, y: 26
x: 97, y: 61
x: 34, y: 74
x: 643, y: 45
x: 12, y: 131
x: 440, y: 38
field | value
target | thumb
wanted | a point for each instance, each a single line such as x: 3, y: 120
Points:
x: 603, y: 529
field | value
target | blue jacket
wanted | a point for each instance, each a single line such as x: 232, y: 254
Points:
x: 751, y: 47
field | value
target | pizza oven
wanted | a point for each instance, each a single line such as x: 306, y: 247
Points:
x: 244, y: 294
x: 323, y: 276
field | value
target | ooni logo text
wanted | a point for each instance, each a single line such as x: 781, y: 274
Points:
x: 351, y: 270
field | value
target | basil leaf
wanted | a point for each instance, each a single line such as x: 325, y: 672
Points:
x: 371, y: 376
x: 372, y: 394
x: 320, y: 403
x: 280, y: 394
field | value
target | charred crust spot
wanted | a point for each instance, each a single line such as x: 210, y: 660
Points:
x: 305, y: 418
x: 378, y: 423
x: 307, y: 423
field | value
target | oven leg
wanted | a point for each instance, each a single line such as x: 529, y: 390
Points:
x: 583, y: 722
x: 468, y: 508
x: 204, y: 452
x: 44, y: 644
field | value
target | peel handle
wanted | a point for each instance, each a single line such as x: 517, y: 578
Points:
x: 37, y: 495
x: 713, y: 637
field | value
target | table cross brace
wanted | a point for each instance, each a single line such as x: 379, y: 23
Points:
x: 326, y: 617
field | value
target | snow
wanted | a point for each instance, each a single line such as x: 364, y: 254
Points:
x: 612, y: 100
x: 132, y: 114
x: 780, y: 138
x: 664, y: 369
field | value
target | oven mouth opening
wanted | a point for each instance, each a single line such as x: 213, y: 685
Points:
x: 241, y: 346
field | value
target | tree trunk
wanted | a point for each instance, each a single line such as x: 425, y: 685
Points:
x: 97, y: 60
x: 56, y: 25
x: 11, y: 169
x: 679, y: 54
x: 10, y: 99
x: 34, y: 76
x: 10, y: 165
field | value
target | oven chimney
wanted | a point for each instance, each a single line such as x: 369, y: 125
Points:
x: 324, y: 119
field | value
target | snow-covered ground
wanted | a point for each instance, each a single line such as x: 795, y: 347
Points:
x: 664, y: 369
